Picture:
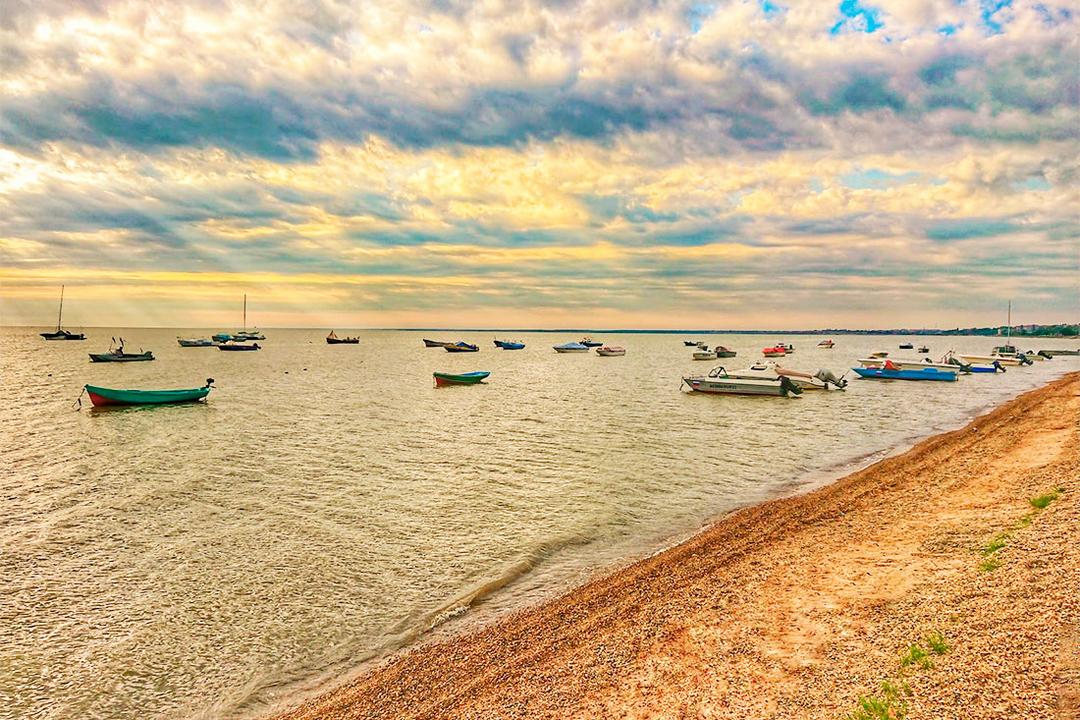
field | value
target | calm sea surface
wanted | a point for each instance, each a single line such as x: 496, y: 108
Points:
x: 328, y: 504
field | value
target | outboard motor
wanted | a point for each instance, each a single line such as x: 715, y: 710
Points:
x: 1024, y: 359
x: 209, y: 382
x: 827, y: 376
x: 998, y: 367
x: 1046, y: 355
x: 789, y: 386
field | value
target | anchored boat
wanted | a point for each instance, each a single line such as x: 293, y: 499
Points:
x: 101, y: 396
x: 333, y: 339
x: 509, y: 345
x: 778, y: 350
x: 118, y: 355
x: 769, y: 370
x: 571, y: 347
x: 895, y: 373
x: 718, y: 381
x: 238, y: 347
x: 461, y: 346
x: 60, y: 333
x: 469, y: 378
x: 827, y: 344
x: 723, y: 352
x: 194, y: 342
x: 436, y: 343
x: 587, y: 341
x: 610, y: 351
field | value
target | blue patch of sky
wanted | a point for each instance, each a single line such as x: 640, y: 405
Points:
x: 988, y: 11
x: 697, y: 14
x: 971, y: 228
x: 770, y: 9
x: 949, y: 29
x: 857, y: 18
x: 875, y: 179
x: 1036, y: 184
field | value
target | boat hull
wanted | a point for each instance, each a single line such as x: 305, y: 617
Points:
x: 571, y: 350
x: 122, y: 357
x: 62, y: 335
x: 101, y: 396
x: 342, y: 341
x: 194, y: 343
x: 610, y: 352
x: 471, y: 378
x: 436, y: 343
x: 910, y: 364
x: 924, y: 374
x: 987, y: 359
x: 509, y: 345
x: 239, y: 348
x: 461, y: 348
x: 735, y: 386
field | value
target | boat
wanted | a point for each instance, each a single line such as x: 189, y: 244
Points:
x: 461, y: 346
x: 469, y: 378
x: 244, y: 335
x: 102, y: 396
x: 571, y: 347
x: 118, y: 354
x: 194, y: 342
x: 610, y: 351
x: 769, y: 370
x: 914, y: 364
x: 827, y: 344
x: 436, y: 343
x: 778, y: 350
x: 691, y: 343
x: 907, y: 346
x: 704, y: 354
x: 587, y: 341
x: 718, y: 381
x: 723, y: 352
x: 879, y: 354
x: 59, y: 333
x: 1010, y: 351
x: 238, y: 347
x: 509, y: 345
x: 923, y: 349
x: 788, y: 348
x: 333, y: 339
x: 892, y: 372
x: 988, y: 359
x: 1054, y: 353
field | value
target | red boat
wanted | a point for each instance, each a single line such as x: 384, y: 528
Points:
x: 775, y: 351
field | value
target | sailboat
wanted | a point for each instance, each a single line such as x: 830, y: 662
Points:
x: 240, y: 335
x: 1005, y: 354
x: 60, y: 333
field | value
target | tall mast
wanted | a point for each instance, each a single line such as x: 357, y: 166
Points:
x: 60, y: 315
x: 245, y: 311
x: 1008, y: 330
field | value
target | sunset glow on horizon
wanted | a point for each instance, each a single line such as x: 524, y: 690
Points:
x: 745, y: 164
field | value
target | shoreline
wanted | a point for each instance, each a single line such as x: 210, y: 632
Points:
x: 707, y: 624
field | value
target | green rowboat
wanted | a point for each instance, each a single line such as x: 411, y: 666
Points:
x: 470, y: 378
x: 102, y: 396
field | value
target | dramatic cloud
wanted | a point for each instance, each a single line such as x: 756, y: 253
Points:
x: 412, y: 161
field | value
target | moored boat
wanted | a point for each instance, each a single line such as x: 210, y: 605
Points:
x: 333, y: 339
x: 907, y: 346
x: 988, y: 359
x: 913, y: 364
x: 769, y: 370
x: 724, y: 352
x: 509, y: 345
x: 118, y: 355
x: 895, y: 373
x: 610, y: 351
x: 570, y: 347
x: 194, y: 342
x: 718, y: 381
x: 102, y: 396
x: 827, y: 344
x: 778, y: 350
x: 238, y: 347
x: 469, y: 378
x: 923, y: 349
x: 704, y: 353
x: 691, y: 343
x: 59, y: 333
x: 461, y: 346
x: 1052, y: 353
x: 436, y: 343
x: 587, y: 341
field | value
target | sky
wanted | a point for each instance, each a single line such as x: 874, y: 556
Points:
x: 744, y: 164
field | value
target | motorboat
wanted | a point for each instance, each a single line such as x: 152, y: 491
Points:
x: 879, y: 354
x: 704, y: 353
x: 691, y: 343
x: 571, y: 347
x: 469, y: 378
x: 923, y: 349
x: 460, y: 347
x: 723, y: 352
x: 587, y: 341
x: 988, y: 359
x: 239, y: 347
x: 893, y: 372
x: 769, y: 370
x: 118, y: 355
x: 509, y: 345
x: 194, y: 342
x: 907, y: 346
x: 718, y: 381
x: 913, y: 364
x: 778, y: 350
x: 610, y: 351
x: 436, y: 343
x: 827, y: 344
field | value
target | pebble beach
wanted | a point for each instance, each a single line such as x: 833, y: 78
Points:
x: 940, y: 583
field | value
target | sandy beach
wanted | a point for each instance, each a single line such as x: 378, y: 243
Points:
x: 950, y: 574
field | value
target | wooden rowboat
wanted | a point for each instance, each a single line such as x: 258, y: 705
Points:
x: 461, y: 346
x: 469, y: 378
x: 102, y: 396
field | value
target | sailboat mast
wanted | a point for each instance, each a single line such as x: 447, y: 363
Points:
x: 60, y: 315
x: 245, y: 312
x: 1008, y: 329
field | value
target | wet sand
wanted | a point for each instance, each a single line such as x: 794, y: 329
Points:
x: 798, y: 607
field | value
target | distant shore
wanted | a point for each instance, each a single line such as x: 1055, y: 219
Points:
x: 944, y: 581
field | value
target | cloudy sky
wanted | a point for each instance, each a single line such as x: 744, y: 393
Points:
x: 606, y: 163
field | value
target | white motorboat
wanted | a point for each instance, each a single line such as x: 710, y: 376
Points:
x: 704, y: 353
x: 195, y: 342
x: 989, y: 359
x: 611, y: 351
x: 571, y: 347
x: 769, y: 370
x: 719, y: 382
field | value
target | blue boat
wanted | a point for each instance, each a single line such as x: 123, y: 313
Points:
x: 993, y: 367
x: 923, y: 374
x: 461, y: 346
x: 509, y: 345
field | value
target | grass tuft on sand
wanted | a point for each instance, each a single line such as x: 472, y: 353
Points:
x: 889, y: 704
x: 1040, y: 502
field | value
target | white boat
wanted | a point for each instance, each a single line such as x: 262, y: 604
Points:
x: 910, y: 363
x: 989, y: 359
x: 769, y: 370
x: 571, y: 347
x: 704, y: 354
x: 719, y: 382
x: 610, y: 351
x: 195, y: 342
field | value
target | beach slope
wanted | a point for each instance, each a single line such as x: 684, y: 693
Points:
x: 966, y: 547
